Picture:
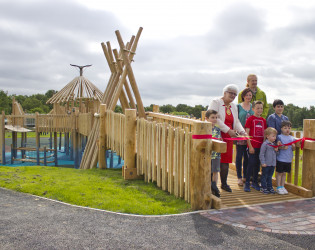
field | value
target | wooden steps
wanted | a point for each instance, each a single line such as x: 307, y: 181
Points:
x: 240, y: 198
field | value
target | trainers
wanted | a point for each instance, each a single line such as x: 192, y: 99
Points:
x: 271, y: 191
x: 255, y: 186
x: 285, y: 191
x: 264, y: 191
x: 247, y: 188
x: 280, y: 191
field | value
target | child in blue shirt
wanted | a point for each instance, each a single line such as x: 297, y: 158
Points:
x: 275, y: 119
x: 268, y: 159
x: 212, y: 116
x: 285, y: 156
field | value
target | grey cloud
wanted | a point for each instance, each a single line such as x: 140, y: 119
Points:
x: 40, y: 40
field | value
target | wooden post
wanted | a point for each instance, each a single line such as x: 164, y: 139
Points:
x: 200, y: 171
x: 45, y: 158
x: 102, y: 138
x: 12, y: 154
x: 131, y: 76
x: 156, y: 108
x: 203, y: 115
x: 55, y: 147
x: 50, y: 141
x: 37, y: 137
x: 60, y: 138
x: 75, y: 141
x: 2, y: 138
x: 308, y: 170
x: 129, y: 169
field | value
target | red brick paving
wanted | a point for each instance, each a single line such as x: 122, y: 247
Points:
x: 290, y: 217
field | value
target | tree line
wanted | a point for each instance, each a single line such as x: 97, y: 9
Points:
x: 30, y: 104
x: 37, y: 103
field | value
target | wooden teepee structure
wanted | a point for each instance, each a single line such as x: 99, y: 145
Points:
x: 118, y: 88
x: 80, y: 94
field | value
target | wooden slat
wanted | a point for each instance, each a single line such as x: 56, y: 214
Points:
x: 153, y: 151
x: 164, y: 157
x: 181, y: 163
x: 176, y: 163
x: 240, y: 198
x: 170, y: 159
x: 158, y: 167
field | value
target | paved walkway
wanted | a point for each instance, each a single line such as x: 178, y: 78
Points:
x: 290, y: 217
x: 30, y: 222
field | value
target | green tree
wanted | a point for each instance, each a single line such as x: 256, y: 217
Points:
x: 168, y: 108
x: 5, y: 102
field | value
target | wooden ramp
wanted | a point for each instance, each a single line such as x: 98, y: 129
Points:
x: 240, y: 198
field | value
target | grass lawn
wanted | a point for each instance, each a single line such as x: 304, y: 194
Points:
x: 103, y: 189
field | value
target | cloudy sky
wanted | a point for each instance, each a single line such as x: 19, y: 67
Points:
x: 188, y: 50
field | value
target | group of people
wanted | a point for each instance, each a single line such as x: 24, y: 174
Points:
x: 260, y: 141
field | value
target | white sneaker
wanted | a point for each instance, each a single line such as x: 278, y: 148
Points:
x: 280, y: 191
x: 285, y: 191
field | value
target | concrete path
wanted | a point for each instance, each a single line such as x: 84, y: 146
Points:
x: 29, y: 222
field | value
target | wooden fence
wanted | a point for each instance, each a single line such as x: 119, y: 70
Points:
x: 158, y: 152
x: 163, y: 156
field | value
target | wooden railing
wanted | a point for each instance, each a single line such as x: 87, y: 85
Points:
x: 163, y: 156
x: 20, y: 120
x: 115, y: 129
x: 174, y: 121
x: 156, y: 151
x: 54, y: 123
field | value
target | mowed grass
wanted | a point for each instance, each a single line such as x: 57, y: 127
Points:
x: 103, y: 189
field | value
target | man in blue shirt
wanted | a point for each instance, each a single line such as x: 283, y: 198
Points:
x: 275, y: 119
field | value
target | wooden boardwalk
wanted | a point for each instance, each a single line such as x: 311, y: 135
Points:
x: 240, y: 198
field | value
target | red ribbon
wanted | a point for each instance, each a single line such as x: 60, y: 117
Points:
x: 246, y: 138
x: 293, y: 142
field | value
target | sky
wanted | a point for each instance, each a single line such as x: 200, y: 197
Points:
x: 188, y: 50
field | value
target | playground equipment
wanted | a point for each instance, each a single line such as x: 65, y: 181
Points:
x: 155, y: 147
x: 117, y: 88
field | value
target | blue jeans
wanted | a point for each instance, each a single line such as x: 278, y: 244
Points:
x: 266, y: 177
x: 253, y: 166
x: 241, y: 153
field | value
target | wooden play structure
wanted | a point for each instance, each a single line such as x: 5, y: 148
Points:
x: 155, y: 147
x: 71, y: 118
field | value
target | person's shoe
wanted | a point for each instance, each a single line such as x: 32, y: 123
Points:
x: 285, y: 191
x: 240, y: 182
x: 215, y: 190
x: 226, y: 188
x: 247, y: 187
x: 280, y: 191
x: 255, y: 186
x: 264, y: 191
x: 271, y: 191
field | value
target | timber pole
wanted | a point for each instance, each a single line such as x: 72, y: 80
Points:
x: 308, y: 171
x: 2, y: 138
x: 102, y: 138
x: 129, y: 169
x: 200, y: 170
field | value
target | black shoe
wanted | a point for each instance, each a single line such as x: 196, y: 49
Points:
x: 226, y: 188
x: 215, y: 190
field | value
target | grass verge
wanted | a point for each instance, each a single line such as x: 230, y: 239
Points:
x: 103, y: 189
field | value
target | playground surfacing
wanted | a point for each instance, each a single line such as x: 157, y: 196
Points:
x: 63, y: 160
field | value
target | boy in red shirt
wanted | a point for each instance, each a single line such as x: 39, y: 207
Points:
x: 254, y: 127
